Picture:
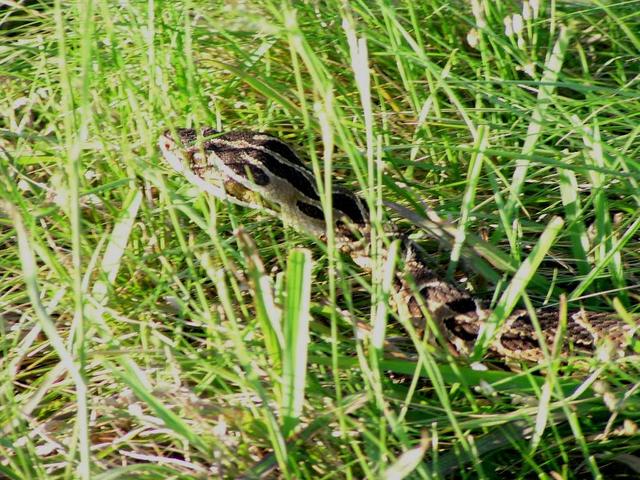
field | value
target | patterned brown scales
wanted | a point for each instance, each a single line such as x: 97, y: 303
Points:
x: 257, y: 170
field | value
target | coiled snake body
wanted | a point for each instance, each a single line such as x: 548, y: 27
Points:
x: 239, y: 165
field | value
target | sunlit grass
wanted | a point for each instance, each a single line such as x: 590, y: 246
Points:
x: 143, y: 336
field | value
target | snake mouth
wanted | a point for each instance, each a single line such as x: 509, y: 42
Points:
x: 178, y: 158
x: 240, y: 192
x: 246, y: 196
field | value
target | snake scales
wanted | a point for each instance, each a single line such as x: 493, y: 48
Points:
x: 241, y: 165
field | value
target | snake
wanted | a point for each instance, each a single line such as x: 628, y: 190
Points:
x: 257, y: 170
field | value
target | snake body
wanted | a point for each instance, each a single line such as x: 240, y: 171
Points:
x: 262, y: 171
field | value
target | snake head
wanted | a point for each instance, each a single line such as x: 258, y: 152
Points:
x: 208, y: 157
x: 182, y: 148
x: 255, y: 167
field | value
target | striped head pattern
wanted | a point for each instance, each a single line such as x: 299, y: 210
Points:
x: 249, y: 164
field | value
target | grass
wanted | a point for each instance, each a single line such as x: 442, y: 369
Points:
x: 141, y: 338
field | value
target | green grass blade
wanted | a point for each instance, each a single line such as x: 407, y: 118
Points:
x: 268, y: 313
x: 604, y: 261
x: 71, y: 364
x: 573, y: 216
x: 296, y: 337
x: 543, y: 101
x: 135, y: 378
x: 475, y: 168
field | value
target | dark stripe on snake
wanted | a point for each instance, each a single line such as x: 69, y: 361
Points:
x: 350, y: 206
x: 230, y: 155
x: 252, y: 173
x: 310, y: 210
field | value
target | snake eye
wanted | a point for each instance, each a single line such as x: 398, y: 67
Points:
x: 250, y: 172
